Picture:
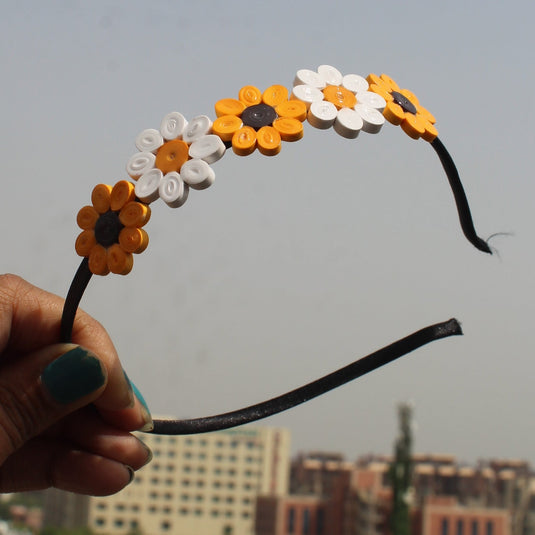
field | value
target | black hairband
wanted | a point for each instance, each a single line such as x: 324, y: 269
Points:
x: 178, y: 157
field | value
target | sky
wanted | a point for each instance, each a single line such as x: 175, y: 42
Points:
x: 290, y: 267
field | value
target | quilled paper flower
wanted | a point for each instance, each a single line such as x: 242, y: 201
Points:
x: 403, y: 108
x: 259, y: 120
x: 175, y: 158
x: 342, y: 102
x: 111, y: 228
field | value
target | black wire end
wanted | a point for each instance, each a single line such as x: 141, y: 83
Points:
x: 459, y: 194
x: 311, y: 390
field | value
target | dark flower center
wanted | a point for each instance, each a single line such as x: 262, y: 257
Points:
x: 107, y: 228
x: 258, y: 116
x: 404, y: 102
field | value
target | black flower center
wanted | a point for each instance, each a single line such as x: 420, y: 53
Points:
x: 404, y: 102
x: 258, y: 116
x: 107, y: 228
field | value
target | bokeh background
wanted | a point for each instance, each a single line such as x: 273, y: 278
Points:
x: 290, y: 267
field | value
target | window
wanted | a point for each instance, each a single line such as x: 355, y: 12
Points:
x: 100, y: 521
x: 444, y: 527
x: 460, y: 527
x: 490, y: 528
x: 475, y: 527
x: 165, y: 525
x: 291, y: 520
x: 320, y: 522
x: 306, y: 522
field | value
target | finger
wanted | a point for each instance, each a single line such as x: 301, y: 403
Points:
x: 86, y: 430
x: 47, y: 462
x: 43, y: 387
x: 30, y: 320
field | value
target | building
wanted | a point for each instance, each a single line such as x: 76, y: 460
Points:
x: 333, y: 497
x: 318, y: 502
x: 203, y: 484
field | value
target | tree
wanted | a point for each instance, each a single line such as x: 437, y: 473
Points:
x: 401, y: 473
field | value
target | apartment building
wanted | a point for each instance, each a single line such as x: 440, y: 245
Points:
x: 199, y: 484
x: 334, y: 497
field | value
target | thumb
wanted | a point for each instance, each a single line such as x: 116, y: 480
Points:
x: 38, y: 389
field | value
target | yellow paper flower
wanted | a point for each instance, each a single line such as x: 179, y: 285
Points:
x: 403, y: 108
x: 259, y: 120
x: 111, y: 228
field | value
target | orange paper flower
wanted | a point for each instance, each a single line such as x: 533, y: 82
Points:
x: 111, y: 229
x: 259, y: 120
x: 403, y: 108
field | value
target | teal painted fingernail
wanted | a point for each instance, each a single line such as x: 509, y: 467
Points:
x: 73, y: 375
x: 149, y: 426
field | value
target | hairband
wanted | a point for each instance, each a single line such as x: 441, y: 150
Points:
x: 178, y: 157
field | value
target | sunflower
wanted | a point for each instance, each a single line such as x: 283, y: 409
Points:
x: 259, y: 120
x: 342, y: 102
x: 174, y: 158
x: 403, y: 108
x: 111, y: 228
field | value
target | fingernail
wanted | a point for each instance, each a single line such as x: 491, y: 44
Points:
x: 131, y: 398
x: 131, y: 474
x: 149, y: 452
x: 73, y: 375
x: 147, y: 418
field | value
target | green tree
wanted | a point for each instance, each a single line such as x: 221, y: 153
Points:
x: 401, y: 473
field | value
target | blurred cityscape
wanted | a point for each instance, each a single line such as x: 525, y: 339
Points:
x: 244, y: 482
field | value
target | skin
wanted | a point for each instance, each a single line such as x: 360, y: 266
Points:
x: 85, y: 446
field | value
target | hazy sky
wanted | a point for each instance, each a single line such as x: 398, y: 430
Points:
x: 290, y: 267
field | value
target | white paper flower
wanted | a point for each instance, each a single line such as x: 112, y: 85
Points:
x: 342, y: 102
x: 175, y: 158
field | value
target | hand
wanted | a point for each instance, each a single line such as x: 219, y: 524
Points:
x: 65, y: 409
